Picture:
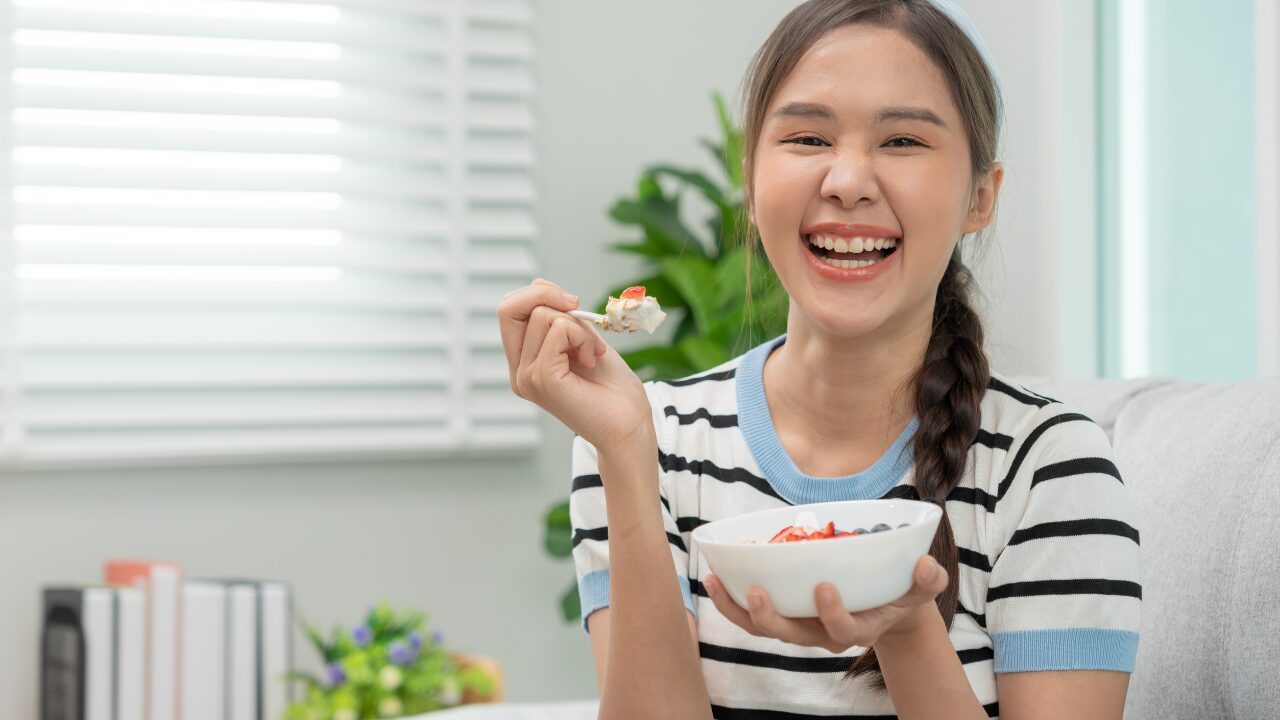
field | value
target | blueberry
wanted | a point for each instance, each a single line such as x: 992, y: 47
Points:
x: 860, y: 531
x: 904, y: 525
x: 881, y: 527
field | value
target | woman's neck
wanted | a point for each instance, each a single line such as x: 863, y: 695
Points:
x: 838, y: 403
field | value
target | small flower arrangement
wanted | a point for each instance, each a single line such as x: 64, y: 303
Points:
x: 385, y: 667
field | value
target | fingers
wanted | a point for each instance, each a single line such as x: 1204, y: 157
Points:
x: 516, y: 308
x: 843, y: 628
x: 763, y: 621
x: 726, y: 605
x: 565, y: 339
x: 928, y: 579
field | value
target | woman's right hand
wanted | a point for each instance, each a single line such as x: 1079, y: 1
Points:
x: 562, y: 364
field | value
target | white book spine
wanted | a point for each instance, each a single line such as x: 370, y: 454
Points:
x: 242, y: 653
x: 165, y: 637
x: 97, y: 618
x: 204, y: 640
x: 131, y: 668
x: 277, y: 655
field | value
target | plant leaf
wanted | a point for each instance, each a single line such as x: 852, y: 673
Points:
x: 703, y: 352
x: 658, y: 362
x: 732, y: 139
x: 694, y: 277
x: 660, y: 218
x: 708, y: 189
x: 558, y: 531
x: 558, y: 516
x: 571, y: 604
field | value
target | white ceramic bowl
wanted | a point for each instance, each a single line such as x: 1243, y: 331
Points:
x: 868, y: 570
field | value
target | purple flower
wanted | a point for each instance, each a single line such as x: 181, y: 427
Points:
x: 361, y: 635
x: 336, y: 675
x: 402, y: 654
x: 415, y: 640
x: 437, y: 637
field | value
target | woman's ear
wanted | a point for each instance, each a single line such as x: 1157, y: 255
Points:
x: 983, y: 205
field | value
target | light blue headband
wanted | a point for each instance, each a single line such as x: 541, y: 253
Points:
x: 958, y: 16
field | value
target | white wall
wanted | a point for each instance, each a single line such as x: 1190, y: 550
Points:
x: 346, y: 535
x: 621, y: 85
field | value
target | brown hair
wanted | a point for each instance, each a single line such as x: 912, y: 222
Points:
x: 954, y: 373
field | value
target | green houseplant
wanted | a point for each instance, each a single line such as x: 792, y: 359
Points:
x: 699, y: 275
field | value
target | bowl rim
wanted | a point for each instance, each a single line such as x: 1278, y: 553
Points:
x: 934, y: 512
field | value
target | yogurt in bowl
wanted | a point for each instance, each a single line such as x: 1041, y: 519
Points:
x: 869, y: 570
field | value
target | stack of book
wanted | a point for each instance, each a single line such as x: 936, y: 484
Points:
x: 150, y: 644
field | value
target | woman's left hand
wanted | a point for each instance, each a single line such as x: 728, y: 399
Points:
x: 834, y: 629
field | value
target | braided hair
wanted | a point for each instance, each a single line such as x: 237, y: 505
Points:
x: 949, y: 388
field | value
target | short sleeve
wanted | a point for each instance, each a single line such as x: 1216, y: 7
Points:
x: 591, y: 532
x: 1065, y: 590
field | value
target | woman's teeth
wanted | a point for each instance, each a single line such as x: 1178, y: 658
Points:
x: 836, y: 244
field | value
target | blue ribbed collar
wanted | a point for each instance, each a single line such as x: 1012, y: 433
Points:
x: 756, y: 424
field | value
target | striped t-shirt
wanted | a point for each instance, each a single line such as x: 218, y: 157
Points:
x: 1046, y: 531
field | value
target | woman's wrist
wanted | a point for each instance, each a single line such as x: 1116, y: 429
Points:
x: 641, y: 442
x: 924, y: 617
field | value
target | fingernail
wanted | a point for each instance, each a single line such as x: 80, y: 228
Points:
x: 825, y: 596
x: 931, y: 571
x: 755, y: 601
x: 570, y: 299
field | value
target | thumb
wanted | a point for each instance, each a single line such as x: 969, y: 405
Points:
x: 929, y: 579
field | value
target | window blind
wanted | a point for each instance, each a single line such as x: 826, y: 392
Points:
x: 253, y: 230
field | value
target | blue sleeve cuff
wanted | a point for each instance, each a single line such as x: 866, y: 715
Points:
x: 1065, y: 649
x: 593, y: 593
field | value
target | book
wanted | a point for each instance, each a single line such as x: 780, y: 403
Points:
x: 204, y: 650
x: 163, y: 585
x: 257, y: 648
x: 91, y: 654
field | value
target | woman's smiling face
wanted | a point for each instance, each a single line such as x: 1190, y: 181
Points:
x: 863, y: 139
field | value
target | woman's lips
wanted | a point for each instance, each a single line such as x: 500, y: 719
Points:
x: 850, y: 230
x: 865, y: 273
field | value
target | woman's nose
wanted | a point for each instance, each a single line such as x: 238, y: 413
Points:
x: 850, y: 179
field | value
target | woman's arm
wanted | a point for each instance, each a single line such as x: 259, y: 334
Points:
x: 922, y: 671
x: 1062, y: 694
x: 925, y: 680
x: 650, y: 650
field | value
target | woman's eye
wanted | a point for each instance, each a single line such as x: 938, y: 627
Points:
x: 811, y: 140
x: 904, y: 142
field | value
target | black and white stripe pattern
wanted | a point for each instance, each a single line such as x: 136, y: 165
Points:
x: 1045, y: 532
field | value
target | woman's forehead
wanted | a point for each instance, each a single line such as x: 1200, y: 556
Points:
x: 860, y: 70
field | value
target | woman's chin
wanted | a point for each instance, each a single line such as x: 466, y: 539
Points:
x: 844, y: 323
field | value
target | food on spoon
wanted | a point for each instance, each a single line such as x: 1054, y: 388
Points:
x: 633, y: 311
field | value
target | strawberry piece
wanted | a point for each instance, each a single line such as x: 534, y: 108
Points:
x: 635, y: 292
x: 780, y: 537
x: 829, y: 530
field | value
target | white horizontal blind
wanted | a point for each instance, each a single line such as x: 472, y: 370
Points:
x: 242, y: 229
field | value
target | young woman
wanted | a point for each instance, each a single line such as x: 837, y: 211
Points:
x: 870, y: 136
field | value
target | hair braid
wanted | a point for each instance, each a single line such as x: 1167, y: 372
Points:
x: 949, y: 388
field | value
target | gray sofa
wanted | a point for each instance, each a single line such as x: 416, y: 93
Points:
x: 1203, y: 464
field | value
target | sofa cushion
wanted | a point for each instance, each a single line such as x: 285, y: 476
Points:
x: 1203, y: 463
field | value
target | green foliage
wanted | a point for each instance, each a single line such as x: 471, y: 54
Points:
x: 700, y: 277
x: 384, y: 667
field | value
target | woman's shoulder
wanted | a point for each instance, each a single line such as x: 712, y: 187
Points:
x: 716, y: 382
x: 711, y: 395
x: 1016, y: 408
x: 1038, y: 431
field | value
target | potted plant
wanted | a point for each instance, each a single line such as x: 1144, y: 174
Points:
x: 700, y: 276
x: 388, y: 666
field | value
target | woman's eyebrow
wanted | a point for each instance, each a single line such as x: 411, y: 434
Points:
x: 818, y: 111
